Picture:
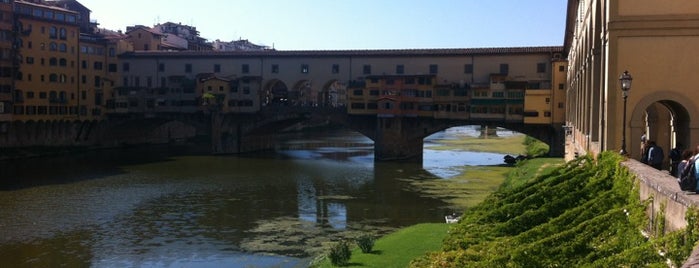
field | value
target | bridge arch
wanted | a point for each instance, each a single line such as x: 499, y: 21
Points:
x: 302, y: 94
x: 666, y: 118
x: 275, y: 92
x: 332, y: 94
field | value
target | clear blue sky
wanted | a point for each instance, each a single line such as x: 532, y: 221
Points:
x: 351, y: 24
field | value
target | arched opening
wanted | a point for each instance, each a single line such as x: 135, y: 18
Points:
x: 665, y: 123
x: 302, y: 94
x: 333, y: 94
x: 275, y: 93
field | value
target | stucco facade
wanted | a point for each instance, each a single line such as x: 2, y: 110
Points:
x: 656, y: 42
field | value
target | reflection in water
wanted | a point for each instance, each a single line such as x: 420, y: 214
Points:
x: 174, y: 207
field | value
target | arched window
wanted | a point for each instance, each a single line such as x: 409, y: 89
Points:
x: 53, y: 78
x: 53, y: 34
x: 62, y: 47
x: 53, y: 62
x: 53, y: 46
x: 62, y: 34
x: 62, y: 78
x: 63, y: 62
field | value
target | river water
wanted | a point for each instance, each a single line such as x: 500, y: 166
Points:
x: 179, y: 207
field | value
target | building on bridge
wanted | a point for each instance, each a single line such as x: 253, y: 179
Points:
x: 655, y: 41
x: 512, y: 84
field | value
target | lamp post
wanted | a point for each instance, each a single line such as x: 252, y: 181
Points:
x: 625, y: 80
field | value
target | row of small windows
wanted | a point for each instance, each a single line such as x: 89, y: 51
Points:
x: 48, y: 14
x: 62, y: 62
x: 335, y: 68
x: 53, y: 110
x: 460, y: 107
x: 245, y: 90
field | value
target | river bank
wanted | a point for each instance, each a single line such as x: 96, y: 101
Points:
x: 469, y: 187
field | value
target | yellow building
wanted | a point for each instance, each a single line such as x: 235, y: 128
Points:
x: 229, y: 95
x: 46, y: 86
x: 656, y: 42
x: 547, y: 105
x: 7, y: 63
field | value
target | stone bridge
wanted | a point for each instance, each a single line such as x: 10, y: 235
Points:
x: 395, y: 138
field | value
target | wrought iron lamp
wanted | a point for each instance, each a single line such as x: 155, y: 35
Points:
x: 625, y: 80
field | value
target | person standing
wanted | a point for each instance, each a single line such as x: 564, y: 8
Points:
x: 644, y: 147
x: 675, y: 156
x: 655, y: 155
x: 687, y: 155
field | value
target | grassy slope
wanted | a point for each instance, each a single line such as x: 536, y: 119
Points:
x: 585, y: 214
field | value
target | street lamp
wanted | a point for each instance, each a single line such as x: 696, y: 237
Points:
x: 625, y: 80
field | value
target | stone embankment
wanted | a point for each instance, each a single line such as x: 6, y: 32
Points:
x: 667, y: 198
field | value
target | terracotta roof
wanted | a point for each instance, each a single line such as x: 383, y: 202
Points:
x: 347, y: 53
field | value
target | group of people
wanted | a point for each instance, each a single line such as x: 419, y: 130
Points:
x: 653, y: 155
x: 680, y: 159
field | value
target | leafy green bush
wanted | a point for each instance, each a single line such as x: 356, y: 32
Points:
x: 535, y: 148
x: 340, y: 253
x: 365, y: 243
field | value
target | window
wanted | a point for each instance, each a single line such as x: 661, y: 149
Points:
x: 541, y: 67
x: 561, y: 86
x: 335, y: 68
x: 275, y: 68
x: 400, y: 69
x: 434, y: 68
x: 561, y: 105
x: 161, y: 67
x: 112, y: 52
x: 504, y: 68
x: 97, y: 65
x: 366, y: 69
x: 63, y: 62
x: 561, y: 68
x: 245, y: 68
x: 547, y: 114
x: 304, y: 68
x: 53, y: 32
x: 188, y: 68
x: 125, y: 67
x: 98, y: 81
x: 217, y: 68
x: 53, y: 62
x: 62, y: 34
x: 548, y: 100
x: 83, y: 64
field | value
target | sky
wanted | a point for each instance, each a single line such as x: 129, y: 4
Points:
x: 350, y: 24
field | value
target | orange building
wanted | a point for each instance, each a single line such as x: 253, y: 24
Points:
x: 46, y: 85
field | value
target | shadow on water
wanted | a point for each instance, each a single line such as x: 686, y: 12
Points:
x: 87, y: 165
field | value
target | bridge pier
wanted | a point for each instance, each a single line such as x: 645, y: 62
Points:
x: 398, y: 138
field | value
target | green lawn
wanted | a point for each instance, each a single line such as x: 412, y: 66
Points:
x: 399, y: 248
